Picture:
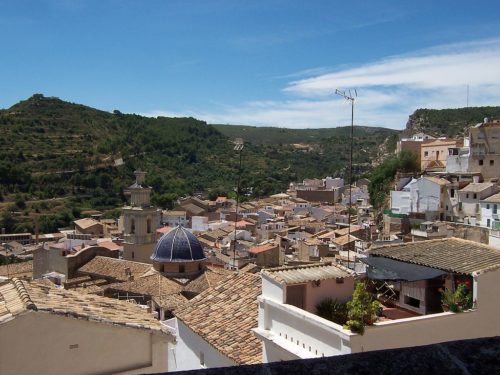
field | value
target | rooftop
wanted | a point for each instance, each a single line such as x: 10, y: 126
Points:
x: 448, y: 254
x: 302, y: 274
x: 18, y: 296
x: 117, y: 269
x: 225, y: 315
x: 262, y: 248
x: 17, y: 269
x: 494, y: 198
x: 476, y: 187
x: 86, y: 223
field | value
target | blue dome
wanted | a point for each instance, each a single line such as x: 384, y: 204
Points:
x: 179, y: 245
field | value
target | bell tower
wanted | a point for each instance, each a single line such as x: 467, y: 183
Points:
x: 140, y: 221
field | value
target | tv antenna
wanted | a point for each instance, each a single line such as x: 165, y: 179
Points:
x: 238, y: 146
x: 351, y: 99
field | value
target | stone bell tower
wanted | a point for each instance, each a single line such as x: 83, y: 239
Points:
x: 140, y: 221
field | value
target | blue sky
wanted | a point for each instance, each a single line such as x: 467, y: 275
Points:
x: 270, y: 62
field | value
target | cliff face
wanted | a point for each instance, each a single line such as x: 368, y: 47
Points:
x: 447, y: 122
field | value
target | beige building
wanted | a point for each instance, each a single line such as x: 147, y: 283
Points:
x: 485, y: 149
x: 47, y: 330
x: 89, y: 226
x: 140, y: 221
x: 433, y: 154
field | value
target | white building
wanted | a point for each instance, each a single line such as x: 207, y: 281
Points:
x: 288, y: 327
x: 470, y: 197
x: 290, y: 332
x: 490, y: 212
x: 426, y: 195
x: 174, y: 218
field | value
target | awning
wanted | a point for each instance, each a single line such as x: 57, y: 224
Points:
x: 381, y: 268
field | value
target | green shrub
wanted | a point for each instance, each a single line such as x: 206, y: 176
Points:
x: 332, y: 310
x: 361, y: 309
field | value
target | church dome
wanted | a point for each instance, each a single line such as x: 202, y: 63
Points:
x: 179, y: 245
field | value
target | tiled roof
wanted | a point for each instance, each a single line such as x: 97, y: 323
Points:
x: 114, y: 268
x: 343, y: 240
x: 225, y: 315
x: 86, y: 223
x: 18, y: 296
x: 344, y: 231
x: 476, y: 187
x: 262, y: 248
x: 448, y: 254
x: 494, y: 198
x: 302, y: 274
x: 17, y: 269
x: 152, y: 285
x: 437, y: 180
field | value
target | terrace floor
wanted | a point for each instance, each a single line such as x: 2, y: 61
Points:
x: 394, y: 313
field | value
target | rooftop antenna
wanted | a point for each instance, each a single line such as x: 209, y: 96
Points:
x: 238, y: 146
x: 467, y: 95
x: 351, y: 99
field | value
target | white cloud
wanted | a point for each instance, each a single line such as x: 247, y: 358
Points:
x: 388, y: 90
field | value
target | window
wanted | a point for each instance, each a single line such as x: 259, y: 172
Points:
x: 412, y: 301
x: 426, y: 153
x: 480, y: 162
x: 447, y: 208
x: 452, y: 193
x: 492, y: 162
x: 495, y: 208
x: 182, y: 268
x: 475, y: 196
x: 467, y: 195
x: 149, y: 225
x: 460, y: 206
x: 488, y: 223
x: 487, y: 206
x: 132, y: 226
x: 132, y: 255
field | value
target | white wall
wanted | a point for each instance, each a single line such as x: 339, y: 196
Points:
x: 272, y: 289
x: 199, y: 223
x: 401, y: 202
x: 296, y: 330
x: 187, y: 351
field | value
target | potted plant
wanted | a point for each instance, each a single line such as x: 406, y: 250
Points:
x: 457, y: 301
x: 361, y: 309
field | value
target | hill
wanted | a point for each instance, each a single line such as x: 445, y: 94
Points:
x: 58, y: 159
x: 448, y: 122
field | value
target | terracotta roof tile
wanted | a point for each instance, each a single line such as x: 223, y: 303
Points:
x: 114, y: 268
x: 448, y: 254
x: 19, y: 296
x: 21, y: 269
x: 225, y: 315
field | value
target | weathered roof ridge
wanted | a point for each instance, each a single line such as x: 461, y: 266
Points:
x: 450, y: 254
x: 23, y: 294
x: 312, y: 265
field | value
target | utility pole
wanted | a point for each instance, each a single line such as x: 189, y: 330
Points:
x: 351, y: 99
x: 237, y: 147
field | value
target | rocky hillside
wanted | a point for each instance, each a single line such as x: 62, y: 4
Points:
x: 448, y: 122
